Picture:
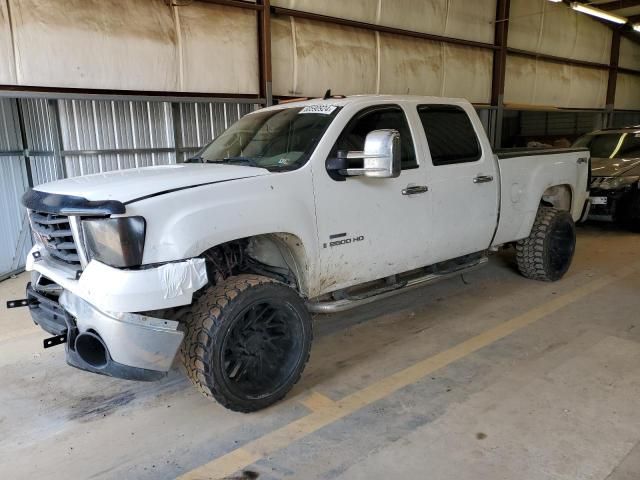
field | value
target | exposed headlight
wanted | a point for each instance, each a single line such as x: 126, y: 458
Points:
x: 613, y: 183
x: 118, y: 242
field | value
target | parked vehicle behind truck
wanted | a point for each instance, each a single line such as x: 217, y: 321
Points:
x: 314, y: 206
x: 615, y: 173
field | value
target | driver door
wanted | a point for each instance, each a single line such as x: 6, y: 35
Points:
x: 371, y: 228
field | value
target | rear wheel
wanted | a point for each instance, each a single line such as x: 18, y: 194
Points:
x: 547, y: 252
x: 247, y: 342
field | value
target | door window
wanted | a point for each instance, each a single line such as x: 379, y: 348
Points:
x: 376, y: 118
x: 450, y: 135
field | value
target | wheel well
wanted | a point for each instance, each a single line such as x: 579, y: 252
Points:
x: 277, y: 255
x: 558, y: 196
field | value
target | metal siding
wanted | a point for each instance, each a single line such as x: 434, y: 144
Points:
x: 113, y: 125
x: 9, y: 133
x: 202, y: 122
x: 15, y: 239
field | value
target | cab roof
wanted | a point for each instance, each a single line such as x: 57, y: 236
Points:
x: 341, y: 101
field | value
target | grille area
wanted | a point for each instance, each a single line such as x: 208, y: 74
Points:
x: 54, y: 232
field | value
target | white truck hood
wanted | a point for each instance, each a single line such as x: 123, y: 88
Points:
x: 126, y: 185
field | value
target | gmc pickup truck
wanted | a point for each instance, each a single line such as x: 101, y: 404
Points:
x: 308, y: 207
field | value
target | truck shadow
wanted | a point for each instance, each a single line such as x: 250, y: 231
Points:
x: 350, y: 339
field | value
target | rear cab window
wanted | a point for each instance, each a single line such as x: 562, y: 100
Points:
x: 450, y: 134
x: 375, y: 118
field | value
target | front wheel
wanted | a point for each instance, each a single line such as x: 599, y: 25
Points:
x: 547, y: 252
x: 247, y: 342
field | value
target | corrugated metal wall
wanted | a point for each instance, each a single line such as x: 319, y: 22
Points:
x: 66, y: 138
x: 15, y: 239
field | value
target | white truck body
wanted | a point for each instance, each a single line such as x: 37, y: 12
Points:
x: 332, y: 234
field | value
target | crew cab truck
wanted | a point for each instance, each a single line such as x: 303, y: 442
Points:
x: 313, y: 206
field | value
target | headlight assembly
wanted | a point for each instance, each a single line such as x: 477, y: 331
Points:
x: 118, y: 242
x: 614, y: 183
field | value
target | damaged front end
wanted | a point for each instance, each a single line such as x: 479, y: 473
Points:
x: 98, y: 309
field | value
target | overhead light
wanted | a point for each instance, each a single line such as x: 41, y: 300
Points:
x: 581, y: 7
x: 636, y: 27
x: 556, y: 1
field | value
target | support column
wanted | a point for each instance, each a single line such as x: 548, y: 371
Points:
x: 613, y: 76
x: 499, y: 66
x: 264, y: 50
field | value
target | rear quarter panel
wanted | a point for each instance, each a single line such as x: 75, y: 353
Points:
x: 523, y: 180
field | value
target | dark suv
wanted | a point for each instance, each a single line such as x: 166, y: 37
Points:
x: 615, y: 171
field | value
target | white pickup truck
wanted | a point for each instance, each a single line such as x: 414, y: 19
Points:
x: 313, y: 206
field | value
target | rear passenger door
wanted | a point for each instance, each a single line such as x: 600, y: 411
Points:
x: 463, y: 181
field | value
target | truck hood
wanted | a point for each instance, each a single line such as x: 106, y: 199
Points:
x: 127, y: 185
x: 615, y: 167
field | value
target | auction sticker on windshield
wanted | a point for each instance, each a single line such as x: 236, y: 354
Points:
x: 321, y: 109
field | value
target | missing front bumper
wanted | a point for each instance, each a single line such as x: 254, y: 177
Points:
x: 129, y: 346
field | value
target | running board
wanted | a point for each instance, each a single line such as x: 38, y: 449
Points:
x: 334, y: 306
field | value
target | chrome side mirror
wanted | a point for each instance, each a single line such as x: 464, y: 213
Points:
x: 381, y: 156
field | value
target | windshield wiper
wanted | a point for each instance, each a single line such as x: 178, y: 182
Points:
x: 194, y: 159
x: 239, y: 160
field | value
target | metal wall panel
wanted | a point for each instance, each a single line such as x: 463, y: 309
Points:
x: 570, y: 124
x: 625, y: 119
x: 15, y: 239
x: 115, y: 125
x: 40, y: 132
x: 199, y: 123
x: 10, y: 139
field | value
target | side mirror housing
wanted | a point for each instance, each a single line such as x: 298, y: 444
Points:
x: 381, y: 156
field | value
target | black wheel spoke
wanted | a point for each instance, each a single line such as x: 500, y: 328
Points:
x: 259, y: 352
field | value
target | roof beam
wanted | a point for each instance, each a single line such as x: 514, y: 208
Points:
x: 617, y: 5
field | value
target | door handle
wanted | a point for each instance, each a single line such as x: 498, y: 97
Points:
x: 483, y: 179
x: 415, y: 189
x: 581, y: 160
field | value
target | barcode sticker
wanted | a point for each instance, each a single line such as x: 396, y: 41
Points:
x: 321, y: 109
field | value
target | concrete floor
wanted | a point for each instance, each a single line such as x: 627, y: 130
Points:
x: 490, y: 376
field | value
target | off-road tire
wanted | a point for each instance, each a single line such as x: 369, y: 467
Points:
x: 213, y: 317
x: 547, y: 252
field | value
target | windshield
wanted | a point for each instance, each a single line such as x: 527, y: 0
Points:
x: 273, y: 139
x: 611, y: 145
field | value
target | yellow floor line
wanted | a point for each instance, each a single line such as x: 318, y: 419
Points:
x: 317, y: 401
x: 278, y: 439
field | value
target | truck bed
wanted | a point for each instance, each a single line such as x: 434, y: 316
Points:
x: 525, y: 175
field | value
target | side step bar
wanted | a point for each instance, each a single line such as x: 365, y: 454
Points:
x: 334, y: 306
